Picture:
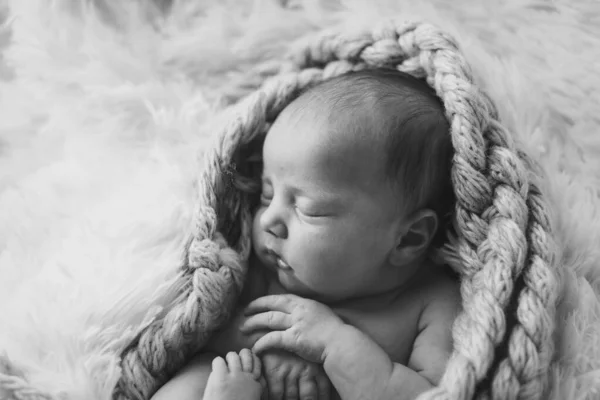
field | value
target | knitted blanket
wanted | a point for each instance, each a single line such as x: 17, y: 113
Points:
x: 120, y: 254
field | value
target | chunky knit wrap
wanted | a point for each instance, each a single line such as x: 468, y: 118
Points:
x: 503, y: 246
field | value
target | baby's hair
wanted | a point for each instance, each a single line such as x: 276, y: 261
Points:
x: 410, y: 122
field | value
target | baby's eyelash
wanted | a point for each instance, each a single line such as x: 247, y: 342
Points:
x: 308, y: 215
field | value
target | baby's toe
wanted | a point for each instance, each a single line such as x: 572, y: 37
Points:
x: 219, y: 366
x: 247, y: 361
x: 234, y: 362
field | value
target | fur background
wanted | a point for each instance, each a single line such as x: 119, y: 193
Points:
x: 106, y: 105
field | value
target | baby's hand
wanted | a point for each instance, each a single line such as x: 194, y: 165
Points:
x: 290, y: 377
x: 302, y: 326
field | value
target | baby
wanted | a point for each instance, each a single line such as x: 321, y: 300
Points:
x: 356, y: 191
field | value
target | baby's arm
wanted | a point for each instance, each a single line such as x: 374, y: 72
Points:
x: 433, y: 345
x: 190, y: 382
x: 360, y: 369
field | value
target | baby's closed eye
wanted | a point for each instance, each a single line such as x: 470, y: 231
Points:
x: 313, y: 209
x: 311, y: 212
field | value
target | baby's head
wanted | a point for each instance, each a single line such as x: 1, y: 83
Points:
x: 356, y: 184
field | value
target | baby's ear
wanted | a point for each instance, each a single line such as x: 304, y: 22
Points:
x: 415, y: 238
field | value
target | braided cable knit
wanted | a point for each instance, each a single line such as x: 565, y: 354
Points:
x: 530, y: 341
x: 215, y: 273
x: 500, y: 218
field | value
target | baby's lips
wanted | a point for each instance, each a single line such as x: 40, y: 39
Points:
x: 282, y: 264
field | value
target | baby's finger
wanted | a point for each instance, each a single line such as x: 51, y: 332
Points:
x: 219, y: 366
x: 272, y: 320
x: 276, y: 387
x: 234, y: 362
x: 265, y: 388
x: 256, y: 367
x: 272, y: 340
x: 308, y: 389
x: 275, y: 302
x: 291, y: 388
x: 323, y: 386
x: 247, y: 360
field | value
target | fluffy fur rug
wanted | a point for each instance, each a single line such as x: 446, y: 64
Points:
x: 106, y: 105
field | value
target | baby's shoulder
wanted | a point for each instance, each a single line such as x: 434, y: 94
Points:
x: 434, y: 286
x: 442, y: 285
x: 440, y: 293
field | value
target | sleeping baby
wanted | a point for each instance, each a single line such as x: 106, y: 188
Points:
x: 341, y: 288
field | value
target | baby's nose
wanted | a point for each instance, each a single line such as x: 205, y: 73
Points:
x: 279, y: 230
x: 272, y: 221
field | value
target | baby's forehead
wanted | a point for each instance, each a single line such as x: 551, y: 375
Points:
x: 311, y: 133
x: 330, y: 120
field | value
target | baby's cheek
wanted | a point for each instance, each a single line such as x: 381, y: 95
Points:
x: 315, y: 243
x: 325, y: 257
x: 257, y: 232
x: 256, y: 220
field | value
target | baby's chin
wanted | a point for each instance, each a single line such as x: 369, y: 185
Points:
x: 292, y: 285
x: 289, y: 281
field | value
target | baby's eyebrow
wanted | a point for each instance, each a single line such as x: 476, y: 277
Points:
x: 321, y: 197
x: 318, y: 195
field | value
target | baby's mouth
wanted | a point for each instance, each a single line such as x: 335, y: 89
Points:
x: 278, y: 260
x: 282, y: 264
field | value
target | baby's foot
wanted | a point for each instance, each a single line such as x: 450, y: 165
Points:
x: 236, y: 378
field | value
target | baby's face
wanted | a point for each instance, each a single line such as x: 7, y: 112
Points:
x: 328, y: 219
